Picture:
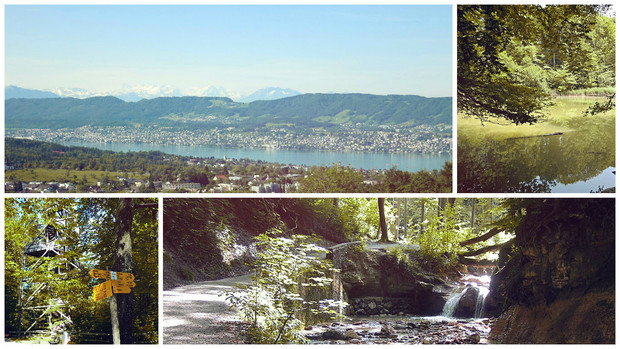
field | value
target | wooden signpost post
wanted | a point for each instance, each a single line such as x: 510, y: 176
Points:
x: 116, y: 282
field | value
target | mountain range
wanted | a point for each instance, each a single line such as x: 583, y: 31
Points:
x: 307, y: 110
x: 137, y: 93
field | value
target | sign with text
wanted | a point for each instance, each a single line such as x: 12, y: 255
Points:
x: 120, y: 289
x: 125, y: 276
x: 102, y: 291
x: 106, y: 274
x: 99, y: 274
x: 122, y: 283
x: 117, y: 282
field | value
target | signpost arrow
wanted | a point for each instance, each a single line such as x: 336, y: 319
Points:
x: 121, y: 289
x: 99, y: 274
x: 102, y: 291
x: 121, y: 283
x: 125, y: 276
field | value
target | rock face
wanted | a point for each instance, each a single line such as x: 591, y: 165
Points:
x: 396, y: 287
x: 588, y: 318
x: 558, y: 281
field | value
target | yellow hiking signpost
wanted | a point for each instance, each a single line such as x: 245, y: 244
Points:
x: 103, y: 291
x: 116, y: 282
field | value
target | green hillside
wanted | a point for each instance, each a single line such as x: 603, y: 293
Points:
x: 303, y: 110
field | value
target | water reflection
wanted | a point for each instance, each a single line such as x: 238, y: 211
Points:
x: 577, y: 161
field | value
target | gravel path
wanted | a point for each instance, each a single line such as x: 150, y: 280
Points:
x: 198, y: 314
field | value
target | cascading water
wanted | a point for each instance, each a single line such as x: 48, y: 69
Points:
x: 452, y: 303
x: 482, y: 295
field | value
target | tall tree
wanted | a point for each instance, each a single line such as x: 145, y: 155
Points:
x: 382, y: 222
x: 123, y: 262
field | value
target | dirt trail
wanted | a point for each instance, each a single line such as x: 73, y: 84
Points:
x: 198, y: 314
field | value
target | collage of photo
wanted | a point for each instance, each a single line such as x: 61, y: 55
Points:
x: 309, y: 174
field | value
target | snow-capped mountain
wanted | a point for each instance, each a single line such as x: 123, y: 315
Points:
x: 75, y: 92
x: 269, y: 93
x: 136, y: 93
x: 212, y: 91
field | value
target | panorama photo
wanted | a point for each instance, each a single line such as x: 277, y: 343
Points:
x: 216, y: 99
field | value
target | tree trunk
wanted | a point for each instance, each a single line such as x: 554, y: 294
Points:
x: 441, y: 205
x: 398, y: 214
x: 473, y: 213
x: 483, y: 237
x: 405, y: 218
x: 123, y: 262
x: 382, y: 223
x: 422, y: 219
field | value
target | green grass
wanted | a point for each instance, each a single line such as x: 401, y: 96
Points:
x: 53, y: 175
x: 564, y: 116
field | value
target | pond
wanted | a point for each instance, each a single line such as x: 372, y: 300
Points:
x: 566, y: 153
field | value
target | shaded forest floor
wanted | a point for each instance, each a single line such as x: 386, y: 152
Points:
x: 198, y: 314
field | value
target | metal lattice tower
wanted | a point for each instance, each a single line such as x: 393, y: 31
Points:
x: 47, y: 244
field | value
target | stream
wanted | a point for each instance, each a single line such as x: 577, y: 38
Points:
x: 389, y: 329
x: 461, y: 322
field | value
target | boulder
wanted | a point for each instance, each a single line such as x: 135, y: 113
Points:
x: 332, y: 334
x: 466, y: 306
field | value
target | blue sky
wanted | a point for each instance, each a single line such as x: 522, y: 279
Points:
x: 396, y: 49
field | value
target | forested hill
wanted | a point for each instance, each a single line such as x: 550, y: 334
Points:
x: 302, y: 110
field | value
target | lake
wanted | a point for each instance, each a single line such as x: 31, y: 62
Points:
x: 519, y: 159
x: 411, y: 162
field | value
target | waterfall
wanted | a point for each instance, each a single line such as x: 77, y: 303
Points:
x: 449, y: 309
x: 450, y: 306
x: 482, y: 295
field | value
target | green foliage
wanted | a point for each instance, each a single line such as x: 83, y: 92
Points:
x: 442, y: 235
x: 397, y: 181
x: 43, y: 161
x: 284, y: 270
x: 357, y: 218
x: 333, y: 179
x: 512, y: 57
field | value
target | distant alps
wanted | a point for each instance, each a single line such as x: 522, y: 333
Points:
x: 136, y: 93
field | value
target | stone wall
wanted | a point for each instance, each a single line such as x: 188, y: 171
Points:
x: 380, y: 305
x: 376, y: 274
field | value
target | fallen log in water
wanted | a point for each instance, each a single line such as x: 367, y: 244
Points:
x: 547, y: 135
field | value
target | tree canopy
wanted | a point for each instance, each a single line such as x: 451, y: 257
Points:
x: 512, y: 58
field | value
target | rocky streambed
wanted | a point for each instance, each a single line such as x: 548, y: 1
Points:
x: 400, y: 330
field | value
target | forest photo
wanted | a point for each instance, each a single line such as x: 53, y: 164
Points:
x: 536, y: 98
x: 388, y: 270
x: 58, y: 253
